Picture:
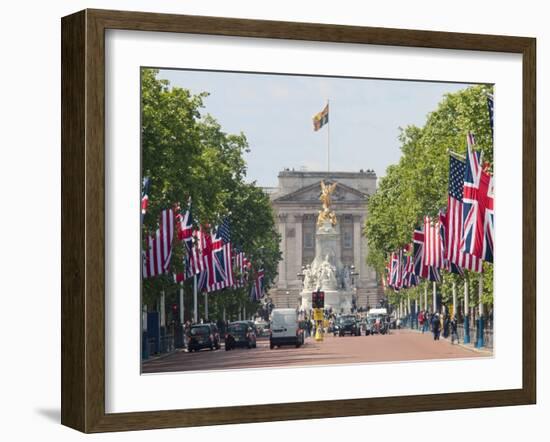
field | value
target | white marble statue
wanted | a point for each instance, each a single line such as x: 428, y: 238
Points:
x: 308, y: 278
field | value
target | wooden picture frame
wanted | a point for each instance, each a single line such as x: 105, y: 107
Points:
x: 83, y: 219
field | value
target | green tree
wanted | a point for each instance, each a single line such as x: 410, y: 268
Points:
x: 417, y: 185
x: 187, y: 155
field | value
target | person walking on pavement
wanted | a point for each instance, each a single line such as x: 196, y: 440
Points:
x: 436, y: 326
x: 454, y: 330
x: 446, y: 326
x: 427, y: 320
x: 421, y: 319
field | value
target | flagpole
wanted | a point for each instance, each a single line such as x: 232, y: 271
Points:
x: 182, y: 305
x: 195, y: 300
x: 328, y: 139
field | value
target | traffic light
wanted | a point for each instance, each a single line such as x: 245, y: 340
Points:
x: 318, y: 299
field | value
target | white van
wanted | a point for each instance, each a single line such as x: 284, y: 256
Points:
x: 285, y: 329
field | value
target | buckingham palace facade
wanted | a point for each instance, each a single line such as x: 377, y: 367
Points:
x: 296, y: 206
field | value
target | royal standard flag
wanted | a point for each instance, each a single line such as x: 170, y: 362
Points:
x: 320, y: 119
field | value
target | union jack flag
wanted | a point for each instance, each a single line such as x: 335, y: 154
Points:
x: 257, y: 289
x: 409, y: 278
x: 156, y: 258
x: 395, y: 278
x: 188, y: 235
x: 478, y: 211
x: 451, y: 223
x: 222, y: 276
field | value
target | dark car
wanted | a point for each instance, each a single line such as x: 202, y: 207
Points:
x: 240, y: 334
x: 347, y: 325
x: 203, y: 336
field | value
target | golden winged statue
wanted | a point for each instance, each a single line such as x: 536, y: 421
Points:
x: 326, y: 214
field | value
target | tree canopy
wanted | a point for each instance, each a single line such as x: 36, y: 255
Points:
x: 186, y: 154
x: 417, y: 185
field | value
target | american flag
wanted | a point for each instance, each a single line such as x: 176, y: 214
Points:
x: 420, y: 269
x: 156, y: 257
x: 452, y: 222
x: 478, y: 211
x: 240, y: 265
x: 257, y: 289
x: 433, y: 247
x: 145, y: 196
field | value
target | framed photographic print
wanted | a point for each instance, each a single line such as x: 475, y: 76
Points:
x: 267, y: 221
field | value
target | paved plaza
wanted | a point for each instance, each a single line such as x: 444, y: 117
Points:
x: 399, y: 345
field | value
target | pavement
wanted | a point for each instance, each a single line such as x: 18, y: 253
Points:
x: 399, y: 345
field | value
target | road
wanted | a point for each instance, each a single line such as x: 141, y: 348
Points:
x: 400, y: 345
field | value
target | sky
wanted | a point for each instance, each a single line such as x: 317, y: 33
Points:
x: 275, y: 113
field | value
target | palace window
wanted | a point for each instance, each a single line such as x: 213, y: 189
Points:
x: 308, y: 240
x: 348, y: 239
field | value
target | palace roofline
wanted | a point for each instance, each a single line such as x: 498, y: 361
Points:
x: 324, y: 174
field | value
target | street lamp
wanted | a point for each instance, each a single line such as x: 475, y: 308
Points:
x: 287, y: 293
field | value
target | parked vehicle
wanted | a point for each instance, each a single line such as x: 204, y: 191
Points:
x: 203, y: 336
x: 240, y: 334
x: 347, y: 324
x: 262, y: 328
x: 285, y: 328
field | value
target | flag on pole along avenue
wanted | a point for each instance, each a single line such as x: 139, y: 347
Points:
x: 443, y: 229
x: 478, y: 211
x: 156, y: 258
x: 221, y: 257
x: 240, y: 266
x: 433, y: 248
x: 491, y: 109
x: 320, y: 119
x: 420, y: 269
x: 205, y: 246
x: 145, y: 196
x: 256, y: 291
x: 394, y: 271
x: 453, y: 222
x: 188, y: 235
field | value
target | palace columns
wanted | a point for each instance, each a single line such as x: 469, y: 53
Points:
x: 298, y: 219
x: 282, y: 283
x: 357, y: 246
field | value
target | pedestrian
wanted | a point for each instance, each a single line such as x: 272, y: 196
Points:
x: 426, y: 326
x: 454, y: 330
x: 421, y: 319
x: 436, y: 326
x: 446, y: 326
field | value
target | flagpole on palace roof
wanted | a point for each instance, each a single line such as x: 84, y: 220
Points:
x: 328, y: 138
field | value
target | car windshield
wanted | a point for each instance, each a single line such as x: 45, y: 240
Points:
x: 237, y: 327
x: 201, y: 330
x: 285, y: 319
